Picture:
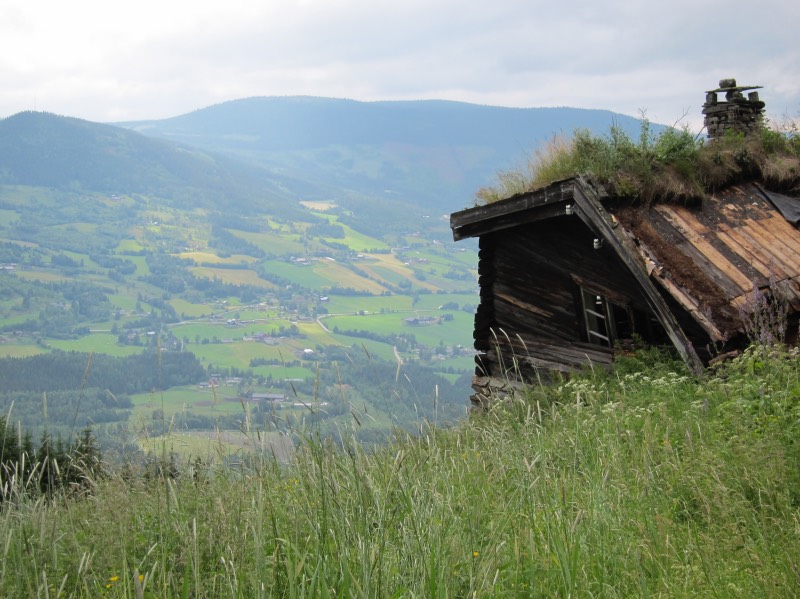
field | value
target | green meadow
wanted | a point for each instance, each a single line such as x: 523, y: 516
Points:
x: 102, y: 343
x: 641, y: 482
x: 8, y: 217
x: 19, y: 350
x: 357, y: 242
x: 151, y: 406
x: 191, y: 309
x: 274, y: 243
x: 234, y: 276
x: 350, y: 303
x: 220, y: 445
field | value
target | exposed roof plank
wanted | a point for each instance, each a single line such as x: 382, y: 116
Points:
x: 742, y: 244
x: 784, y: 230
x: 778, y: 251
x: 625, y: 249
x: 691, y: 306
x: 789, y: 290
x: 679, y: 245
x: 691, y: 228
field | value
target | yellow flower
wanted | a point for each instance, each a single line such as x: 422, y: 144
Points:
x: 475, y: 554
x: 113, y: 579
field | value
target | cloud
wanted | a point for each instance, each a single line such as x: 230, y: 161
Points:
x: 106, y: 61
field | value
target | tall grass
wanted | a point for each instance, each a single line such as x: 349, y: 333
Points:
x: 671, y: 165
x: 640, y: 482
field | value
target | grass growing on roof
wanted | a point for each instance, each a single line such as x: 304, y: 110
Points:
x: 672, y: 165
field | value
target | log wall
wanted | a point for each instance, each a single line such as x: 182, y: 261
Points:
x: 529, y: 320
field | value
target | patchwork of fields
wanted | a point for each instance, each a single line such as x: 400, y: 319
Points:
x: 285, y: 307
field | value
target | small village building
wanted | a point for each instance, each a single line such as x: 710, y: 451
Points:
x: 570, y: 275
x: 422, y: 321
x: 269, y: 397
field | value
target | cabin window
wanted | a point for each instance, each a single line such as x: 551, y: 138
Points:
x: 604, y: 321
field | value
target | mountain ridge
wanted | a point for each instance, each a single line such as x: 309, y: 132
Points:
x: 47, y: 150
x: 435, y: 153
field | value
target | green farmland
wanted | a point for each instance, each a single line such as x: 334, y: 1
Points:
x: 262, y: 304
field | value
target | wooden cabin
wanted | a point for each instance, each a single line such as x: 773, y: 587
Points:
x: 568, y: 276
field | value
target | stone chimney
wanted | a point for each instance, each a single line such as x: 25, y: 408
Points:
x: 736, y: 113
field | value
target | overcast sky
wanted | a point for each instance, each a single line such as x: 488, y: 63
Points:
x: 110, y: 60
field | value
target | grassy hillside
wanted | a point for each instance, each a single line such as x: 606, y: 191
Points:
x: 640, y: 482
x: 50, y: 151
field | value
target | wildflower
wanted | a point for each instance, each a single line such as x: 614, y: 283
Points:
x: 475, y: 554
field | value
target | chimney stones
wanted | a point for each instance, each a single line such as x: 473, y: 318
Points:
x: 736, y: 113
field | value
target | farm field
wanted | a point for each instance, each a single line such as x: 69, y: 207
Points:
x: 19, y: 350
x: 260, y: 304
x: 103, y: 343
x: 211, y: 258
x: 151, y: 406
x: 219, y: 445
x: 234, y: 276
x: 274, y: 243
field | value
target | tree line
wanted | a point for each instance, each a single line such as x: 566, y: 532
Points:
x: 27, y: 468
x: 63, y: 371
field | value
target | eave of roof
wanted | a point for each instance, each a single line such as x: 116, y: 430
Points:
x: 522, y: 208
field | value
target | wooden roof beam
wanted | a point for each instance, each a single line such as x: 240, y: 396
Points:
x: 591, y: 211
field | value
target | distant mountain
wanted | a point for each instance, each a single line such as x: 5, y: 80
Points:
x: 431, y: 153
x: 45, y: 150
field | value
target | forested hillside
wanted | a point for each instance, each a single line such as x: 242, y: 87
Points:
x: 46, y: 150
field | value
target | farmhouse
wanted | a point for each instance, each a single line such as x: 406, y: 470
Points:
x: 570, y: 274
x: 269, y: 397
x: 421, y: 321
